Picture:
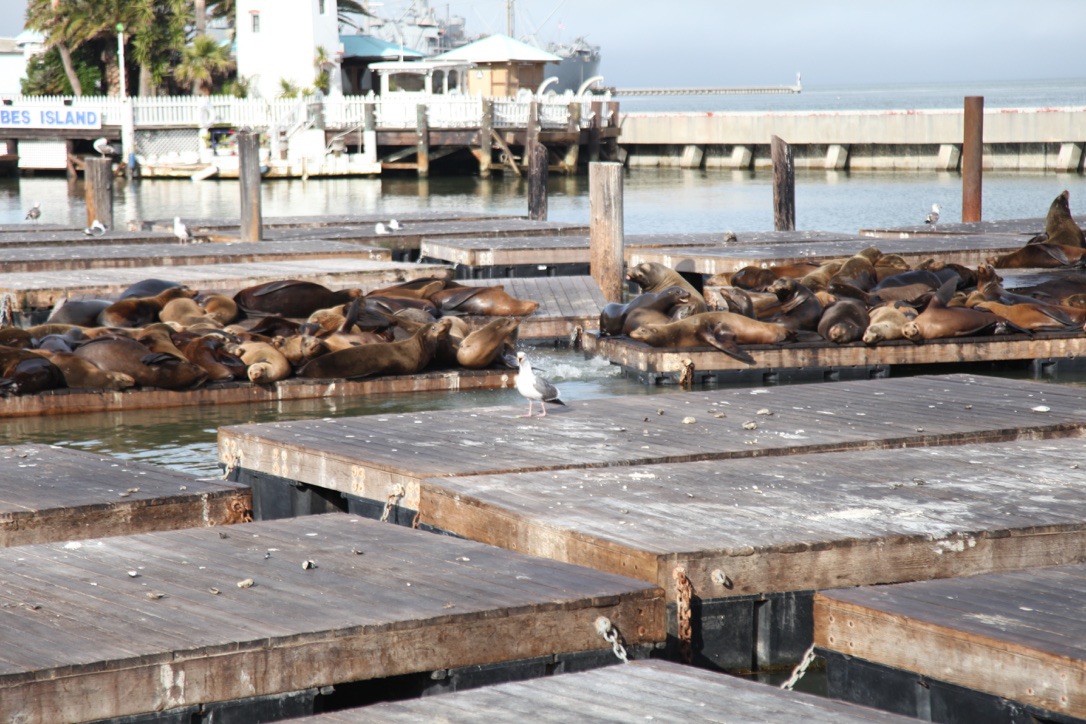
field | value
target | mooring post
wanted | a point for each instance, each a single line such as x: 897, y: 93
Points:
x: 98, y: 181
x: 972, y: 158
x: 485, y: 151
x: 422, y: 139
x: 252, y: 226
x: 784, y: 185
x: 369, y: 131
x: 537, y: 182
x: 605, y: 228
x: 594, y: 130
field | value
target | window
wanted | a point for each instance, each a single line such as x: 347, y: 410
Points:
x: 320, y: 6
x: 256, y: 22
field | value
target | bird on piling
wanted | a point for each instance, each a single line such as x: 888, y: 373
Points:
x: 379, y: 228
x: 534, y: 387
x: 933, y: 217
x: 181, y: 231
x: 395, y: 225
x: 95, y: 229
x: 35, y: 212
x: 102, y: 146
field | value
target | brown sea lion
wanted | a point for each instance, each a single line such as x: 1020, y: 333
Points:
x: 753, y: 278
x: 209, y: 352
x: 938, y: 321
x: 653, y: 277
x: 887, y: 322
x: 23, y: 372
x: 889, y: 265
x: 148, y: 369
x: 290, y: 298
x: 800, y: 308
x: 1034, y: 317
x: 487, y: 301
x: 82, y: 374
x: 736, y: 301
x: 265, y: 363
x: 1057, y: 291
x: 140, y: 311
x: 218, y: 306
x: 147, y: 288
x: 844, y: 321
x: 81, y: 312
x: 186, y: 312
x: 820, y: 278
x: 990, y: 286
x: 1060, y: 226
x: 300, y: 348
x: 17, y: 337
x: 405, y: 357
x: 420, y: 289
x: 614, y: 318
x: 482, y: 346
x: 695, y: 331
x: 1042, y: 255
x: 857, y: 270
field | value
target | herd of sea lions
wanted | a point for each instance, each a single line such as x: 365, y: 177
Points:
x: 164, y: 335
x: 869, y: 297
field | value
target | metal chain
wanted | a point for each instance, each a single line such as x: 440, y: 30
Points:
x: 684, y: 591
x: 397, y: 493
x: 800, y: 669
x: 232, y: 464
x: 611, y: 636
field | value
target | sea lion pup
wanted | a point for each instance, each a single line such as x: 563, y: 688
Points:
x: 265, y: 363
x: 148, y: 369
x: 290, y: 298
x: 80, y: 312
x: 844, y: 321
x: 887, y: 321
x: 300, y: 348
x: 487, y: 301
x: 1041, y: 255
x: 82, y: 374
x: 1032, y: 317
x: 736, y: 301
x: 800, y: 308
x: 140, y: 311
x: 209, y: 352
x: 938, y: 321
x: 23, y: 372
x: 496, y: 340
x: 221, y: 308
x: 1060, y: 226
x: 405, y: 357
x: 653, y: 277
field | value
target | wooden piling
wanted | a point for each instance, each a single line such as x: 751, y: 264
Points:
x: 252, y: 228
x: 486, y: 128
x: 784, y: 185
x: 594, y: 132
x: 574, y: 149
x: 972, y: 158
x: 98, y: 177
x: 537, y: 183
x: 606, y: 230
x: 422, y: 136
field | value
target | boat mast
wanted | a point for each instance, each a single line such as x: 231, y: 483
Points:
x: 509, y: 18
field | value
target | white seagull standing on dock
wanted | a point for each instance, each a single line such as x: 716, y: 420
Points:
x: 380, y: 229
x: 95, y: 229
x: 35, y: 212
x: 394, y: 225
x: 534, y: 387
x: 181, y: 231
x: 933, y: 217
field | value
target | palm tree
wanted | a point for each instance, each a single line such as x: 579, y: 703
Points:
x: 45, y: 17
x: 201, y: 61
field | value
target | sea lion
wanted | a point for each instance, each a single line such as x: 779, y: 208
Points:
x: 300, y: 348
x: 616, y: 318
x: 722, y: 330
x: 140, y: 311
x: 221, y: 308
x: 209, y: 352
x: 405, y: 357
x: 487, y: 301
x: 889, y: 265
x: 844, y: 321
x: 23, y: 372
x: 290, y: 298
x: 186, y: 312
x: 938, y: 321
x: 1034, y: 317
x: 81, y: 312
x: 990, y: 286
x: 1042, y: 255
x: 820, y: 278
x: 800, y: 308
x: 858, y: 271
x: 1059, y: 290
x: 419, y: 289
x: 887, y: 321
x: 753, y: 278
x: 653, y: 277
x: 497, y: 339
x: 82, y: 374
x: 148, y: 369
x: 737, y: 301
x: 265, y: 363
x: 147, y: 288
x: 17, y: 337
x: 1060, y: 226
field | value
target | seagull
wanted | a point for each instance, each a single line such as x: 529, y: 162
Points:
x: 95, y: 229
x: 181, y: 231
x: 933, y: 217
x: 534, y: 387
x: 380, y: 229
x: 102, y: 146
x: 35, y: 212
x: 395, y: 225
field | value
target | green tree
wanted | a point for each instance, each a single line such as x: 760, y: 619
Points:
x: 201, y: 61
x: 46, y: 76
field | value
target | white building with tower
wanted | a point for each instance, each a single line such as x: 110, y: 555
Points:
x: 281, y: 40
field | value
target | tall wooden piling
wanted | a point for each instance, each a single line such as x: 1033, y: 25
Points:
x: 485, y: 150
x: 537, y: 182
x: 784, y: 185
x: 422, y: 140
x: 595, y: 128
x: 252, y: 225
x: 574, y: 129
x: 98, y: 179
x: 972, y: 158
x: 606, y: 236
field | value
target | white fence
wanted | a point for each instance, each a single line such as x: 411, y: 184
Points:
x: 396, y: 111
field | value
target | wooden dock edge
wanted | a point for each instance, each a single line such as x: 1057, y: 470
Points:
x: 973, y: 661
x: 66, y: 401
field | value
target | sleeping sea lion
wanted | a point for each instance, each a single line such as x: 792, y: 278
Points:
x: 148, y: 369
x: 615, y: 318
x: 723, y: 330
x: 82, y: 374
x: 290, y: 298
x: 300, y: 348
x: 405, y: 357
x: 487, y: 301
x: 887, y: 321
x: 23, y: 372
x: 938, y: 321
x: 140, y: 311
x: 497, y: 339
x: 209, y: 352
x: 264, y: 362
x: 81, y: 312
x: 222, y: 308
x: 844, y: 321
x: 1034, y: 317
x: 147, y: 288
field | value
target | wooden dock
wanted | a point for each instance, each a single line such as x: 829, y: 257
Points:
x: 1014, y: 227
x: 1016, y: 637
x: 50, y: 494
x: 826, y: 360
x: 276, y: 222
x: 55, y: 258
x: 81, y: 640
x: 567, y: 305
x: 639, y: 691
x: 69, y: 237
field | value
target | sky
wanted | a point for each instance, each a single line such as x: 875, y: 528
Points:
x: 831, y: 42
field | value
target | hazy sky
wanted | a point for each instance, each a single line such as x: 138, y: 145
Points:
x: 702, y: 42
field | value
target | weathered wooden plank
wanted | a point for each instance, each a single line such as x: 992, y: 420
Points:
x: 370, y: 456
x: 211, y: 224
x: 557, y: 316
x: 429, y: 599
x: 53, y: 494
x: 61, y: 236
x: 656, y: 690
x: 993, y: 633
x: 1015, y: 227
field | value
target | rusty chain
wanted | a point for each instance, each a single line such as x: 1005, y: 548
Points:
x: 801, y: 669
x: 397, y: 493
x: 610, y: 635
x: 232, y: 464
x: 684, y: 591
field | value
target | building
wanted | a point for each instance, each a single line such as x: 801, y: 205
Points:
x: 15, y: 53
x: 359, y: 52
x: 279, y: 42
x: 503, y: 65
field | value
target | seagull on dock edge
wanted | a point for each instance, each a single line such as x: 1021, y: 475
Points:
x: 95, y: 229
x: 181, y: 231
x: 534, y: 387
x: 35, y: 212
x: 933, y: 217
x: 395, y: 225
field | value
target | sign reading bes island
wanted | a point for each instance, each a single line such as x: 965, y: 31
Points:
x: 49, y: 117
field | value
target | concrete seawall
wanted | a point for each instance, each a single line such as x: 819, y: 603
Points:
x: 1033, y: 139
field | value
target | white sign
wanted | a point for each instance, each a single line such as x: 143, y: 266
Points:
x: 52, y: 117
